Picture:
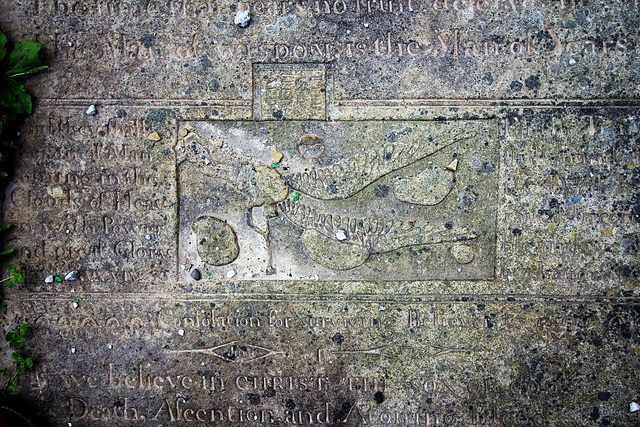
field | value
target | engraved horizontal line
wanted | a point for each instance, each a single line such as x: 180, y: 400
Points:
x: 137, y: 102
x: 304, y: 298
x: 487, y: 102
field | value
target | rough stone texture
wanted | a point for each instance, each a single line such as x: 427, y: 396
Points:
x: 401, y: 213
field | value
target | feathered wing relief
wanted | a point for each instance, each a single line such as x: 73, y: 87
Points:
x: 348, y: 177
x: 375, y: 235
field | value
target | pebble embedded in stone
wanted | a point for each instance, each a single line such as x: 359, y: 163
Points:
x: 73, y: 350
x: 231, y: 273
x: 72, y: 275
x: 183, y: 132
x: 572, y: 62
x: 181, y: 332
x: 49, y: 279
x: 634, y: 407
x: 195, y: 274
x: 453, y: 166
x: 340, y: 235
x: 154, y: 136
x: 91, y: 111
x: 463, y: 254
x: 242, y: 17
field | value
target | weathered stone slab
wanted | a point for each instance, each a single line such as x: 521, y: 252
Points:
x: 176, y: 361
x: 345, y: 213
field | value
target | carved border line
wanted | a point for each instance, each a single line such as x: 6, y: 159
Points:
x: 491, y: 102
x: 337, y: 298
x: 133, y: 102
x: 407, y: 102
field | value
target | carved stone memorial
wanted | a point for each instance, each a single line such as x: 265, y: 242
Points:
x: 350, y: 212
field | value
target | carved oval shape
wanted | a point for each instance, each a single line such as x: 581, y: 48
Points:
x: 463, y: 254
x: 216, y: 241
x: 428, y: 188
x: 331, y: 253
x: 311, y: 146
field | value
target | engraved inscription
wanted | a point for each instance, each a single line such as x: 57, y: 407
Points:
x: 296, y: 91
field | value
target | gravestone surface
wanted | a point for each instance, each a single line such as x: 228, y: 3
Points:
x: 349, y: 212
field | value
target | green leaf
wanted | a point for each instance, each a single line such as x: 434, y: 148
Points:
x: 32, y: 71
x: 13, y: 96
x: 17, y: 357
x: 7, y: 226
x: 28, y: 362
x: 20, y: 278
x: 22, y: 58
x: 11, y: 388
x: 12, y: 282
x: 3, y: 49
x: 7, y: 251
x: 18, y: 342
x: 20, y: 369
x: 1, y: 123
x: 23, y: 329
x: 11, y: 269
x: 11, y: 336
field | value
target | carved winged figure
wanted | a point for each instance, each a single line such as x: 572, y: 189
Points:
x: 338, y: 242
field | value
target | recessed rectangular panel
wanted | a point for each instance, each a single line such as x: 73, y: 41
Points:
x: 338, y: 200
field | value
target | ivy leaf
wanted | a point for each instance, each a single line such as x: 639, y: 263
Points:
x: 17, y: 357
x: 18, y: 342
x: 7, y: 251
x: 28, y: 362
x: 13, y: 96
x: 3, y: 49
x: 7, y: 226
x: 23, y: 329
x: 20, y: 278
x: 22, y: 58
x: 20, y: 369
x: 11, y: 336
x: 12, y: 282
x: 11, y: 269
x: 11, y: 388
